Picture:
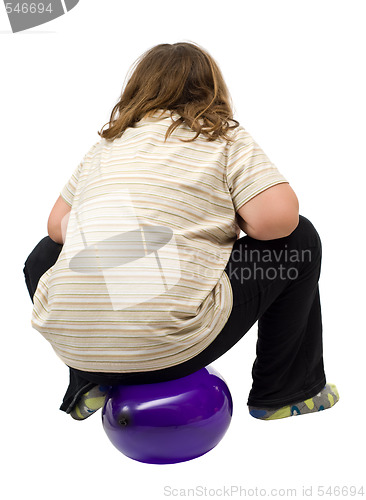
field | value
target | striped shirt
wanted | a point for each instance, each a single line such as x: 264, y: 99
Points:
x: 139, y: 284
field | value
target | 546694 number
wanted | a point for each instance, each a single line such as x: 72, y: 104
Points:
x: 340, y: 491
x: 24, y: 8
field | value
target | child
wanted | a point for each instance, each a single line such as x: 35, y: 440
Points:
x: 142, y: 278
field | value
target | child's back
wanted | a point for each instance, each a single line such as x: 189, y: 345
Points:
x: 140, y: 282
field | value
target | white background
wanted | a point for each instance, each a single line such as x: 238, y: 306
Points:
x: 296, y: 73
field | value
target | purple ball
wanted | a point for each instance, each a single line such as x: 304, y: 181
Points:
x: 169, y: 422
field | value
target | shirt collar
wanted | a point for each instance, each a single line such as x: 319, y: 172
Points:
x: 160, y: 114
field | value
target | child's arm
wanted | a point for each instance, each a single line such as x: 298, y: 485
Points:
x: 271, y: 214
x: 58, y: 219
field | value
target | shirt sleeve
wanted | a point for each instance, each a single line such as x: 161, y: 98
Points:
x: 249, y: 171
x: 68, y: 191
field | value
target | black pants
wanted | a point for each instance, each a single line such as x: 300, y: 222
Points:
x: 274, y: 282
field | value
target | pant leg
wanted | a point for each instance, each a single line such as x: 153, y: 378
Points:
x: 42, y: 257
x: 278, y: 282
x: 281, y: 291
x: 77, y: 386
x: 289, y: 363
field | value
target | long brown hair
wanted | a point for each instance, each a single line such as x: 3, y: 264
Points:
x: 180, y: 77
